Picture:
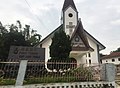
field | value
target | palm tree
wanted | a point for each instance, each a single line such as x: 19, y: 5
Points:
x: 27, y: 32
x: 3, y: 30
x: 19, y: 25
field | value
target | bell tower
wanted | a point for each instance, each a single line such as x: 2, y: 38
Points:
x: 69, y: 17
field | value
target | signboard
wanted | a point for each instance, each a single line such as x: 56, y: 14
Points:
x: 27, y: 53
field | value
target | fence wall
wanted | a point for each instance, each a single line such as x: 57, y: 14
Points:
x: 64, y: 73
x: 69, y: 85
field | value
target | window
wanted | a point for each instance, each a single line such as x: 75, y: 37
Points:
x: 70, y: 15
x: 89, y: 55
x: 118, y: 59
x: 113, y: 60
x: 77, y: 39
x: 106, y: 61
x: 89, y: 61
x: 86, y: 61
x: 40, y: 45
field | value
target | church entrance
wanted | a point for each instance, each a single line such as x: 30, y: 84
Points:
x: 78, y: 56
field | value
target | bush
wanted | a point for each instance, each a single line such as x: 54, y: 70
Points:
x: 81, y: 74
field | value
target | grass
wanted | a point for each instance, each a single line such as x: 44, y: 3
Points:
x: 49, y: 80
x: 7, y: 81
x: 40, y: 80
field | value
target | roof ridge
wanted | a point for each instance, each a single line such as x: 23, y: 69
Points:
x: 111, y: 55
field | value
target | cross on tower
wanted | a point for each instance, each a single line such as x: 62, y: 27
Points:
x: 70, y: 27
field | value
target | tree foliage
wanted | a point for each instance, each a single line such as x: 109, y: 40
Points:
x: 61, y: 46
x: 16, y: 35
x: 118, y: 50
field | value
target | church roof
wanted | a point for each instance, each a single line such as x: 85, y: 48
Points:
x: 51, y: 34
x: 80, y: 31
x: 68, y: 3
x: 101, y: 46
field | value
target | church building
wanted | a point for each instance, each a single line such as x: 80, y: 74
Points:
x: 85, y: 48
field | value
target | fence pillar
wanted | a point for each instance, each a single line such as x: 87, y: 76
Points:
x: 21, y: 73
x: 108, y: 72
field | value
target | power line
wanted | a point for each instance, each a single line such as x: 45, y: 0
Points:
x: 35, y: 15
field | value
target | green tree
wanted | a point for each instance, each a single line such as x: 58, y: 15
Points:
x: 19, y: 25
x: 118, y: 50
x: 35, y: 39
x: 3, y: 30
x: 16, y: 35
x: 13, y: 38
x: 61, y: 46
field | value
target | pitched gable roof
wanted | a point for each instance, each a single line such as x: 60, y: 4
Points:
x: 111, y: 55
x: 81, y: 33
x: 68, y: 3
x: 61, y: 28
x: 50, y: 35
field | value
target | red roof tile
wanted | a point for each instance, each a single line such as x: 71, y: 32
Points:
x: 111, y: 55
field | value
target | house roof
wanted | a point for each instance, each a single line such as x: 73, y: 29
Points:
x: 111, y: 55
x: 61, y: 28
x: 68, y: 3
x: 80, y: 31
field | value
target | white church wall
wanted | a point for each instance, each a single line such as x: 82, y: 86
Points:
x: 79, y: 60
x: 70, y: 19
x: 46, y: 45
x: 83, y: 60
x: 93, y: 55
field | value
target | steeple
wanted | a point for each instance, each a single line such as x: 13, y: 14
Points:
x: 69, y: 17
x: 68, y: 3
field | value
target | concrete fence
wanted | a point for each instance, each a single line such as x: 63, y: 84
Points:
x: 68, y: 85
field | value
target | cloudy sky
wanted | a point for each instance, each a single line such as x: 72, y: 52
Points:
x: 101, y: 18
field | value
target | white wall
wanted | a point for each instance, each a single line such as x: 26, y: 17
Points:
x: 110, y: 60
x: 94, y: 54
x: 80, y: 60
x: 46, y: 45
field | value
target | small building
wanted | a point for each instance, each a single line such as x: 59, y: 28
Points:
x: 113, y: 57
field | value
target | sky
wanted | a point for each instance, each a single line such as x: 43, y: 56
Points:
x: 101, y: 18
